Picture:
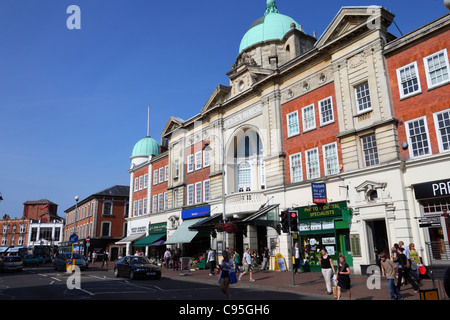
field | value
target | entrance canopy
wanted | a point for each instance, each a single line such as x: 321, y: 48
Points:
x: 266, y: 216
x: 183, y: 234
x: 131, y: 238
x: 149, y: 240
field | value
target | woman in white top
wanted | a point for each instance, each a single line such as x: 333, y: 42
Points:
x: 226, y: 267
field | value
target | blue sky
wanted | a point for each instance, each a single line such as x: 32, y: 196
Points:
x: 74, y: 102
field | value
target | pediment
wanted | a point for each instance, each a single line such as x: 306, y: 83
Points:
x: 172, y: 124
x: 370, y: 185
x: 351, y: 20
x: 217, y: 97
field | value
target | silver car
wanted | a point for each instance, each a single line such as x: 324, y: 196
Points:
x: 61, y: 261
x: 12, y: 263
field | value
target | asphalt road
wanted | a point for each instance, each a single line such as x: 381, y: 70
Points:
x: 44, y: 283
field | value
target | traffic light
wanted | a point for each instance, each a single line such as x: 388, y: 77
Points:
x: 285, y: 221
x: 293, y: 217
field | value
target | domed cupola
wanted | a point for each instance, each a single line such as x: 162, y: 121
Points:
x: 146, y: 147
x: 272, y: 26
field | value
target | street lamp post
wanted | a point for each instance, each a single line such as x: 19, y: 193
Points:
x: 75, y: 220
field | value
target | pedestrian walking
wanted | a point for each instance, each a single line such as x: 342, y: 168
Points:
x: 94, y: 257
x: 403, y: 271
x: 297, y: 258
x: 212, y: 261
x: 415, y: 262
x: 237, y: 262
x: 389, y: 270
x: 327, y: 269
x: 166, y: 257
x: 105, y: 259
x: 176, y: 258
x: 343, y: 278
x: 247, y: 261
x: 265, y: 258
x: 226, y: 267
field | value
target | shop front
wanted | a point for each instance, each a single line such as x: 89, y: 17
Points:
x: 323, y: 226
x: 191, y: 243
x: 434, y: 200
x: 153, y: 244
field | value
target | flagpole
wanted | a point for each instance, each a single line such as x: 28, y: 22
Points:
x: 148, y: 121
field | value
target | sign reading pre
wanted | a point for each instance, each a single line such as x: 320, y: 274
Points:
x: 435, y: 189
x: 319, y: 192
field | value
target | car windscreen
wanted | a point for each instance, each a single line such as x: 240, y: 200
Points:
x: 139, y: 260
x: 13, y: 259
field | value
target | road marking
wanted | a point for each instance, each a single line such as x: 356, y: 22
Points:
x: 55, y: 278
x: 88, y: 292
x: 142, y: 287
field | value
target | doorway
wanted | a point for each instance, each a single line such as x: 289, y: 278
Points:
x: 377, y: 240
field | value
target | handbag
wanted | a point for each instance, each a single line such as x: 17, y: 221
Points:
x: 233, y: 278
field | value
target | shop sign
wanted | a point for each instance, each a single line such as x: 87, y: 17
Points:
x: 157, y: 228
x: 195, y: 212
x: 426, y: 222
x: 138, y: 230
x: 329, y: 240
x: 324, y: 211
x: 319, y: 192
x: 435, y: 189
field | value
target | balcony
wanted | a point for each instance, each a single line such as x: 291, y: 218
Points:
x: 244, y: 202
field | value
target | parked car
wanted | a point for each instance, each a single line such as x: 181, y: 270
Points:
x: 135, y: 267
x: 30, y: 260
x: 12, y: 263
x: 61, y: 261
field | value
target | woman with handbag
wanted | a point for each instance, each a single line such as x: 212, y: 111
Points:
x: 343, y: 278
x: 227, y: 272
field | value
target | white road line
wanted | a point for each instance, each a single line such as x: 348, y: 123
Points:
x: 142, y: 287
x: 88, y: 292
x: 55, y: 278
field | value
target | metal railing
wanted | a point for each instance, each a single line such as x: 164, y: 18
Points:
x: 438, y: 251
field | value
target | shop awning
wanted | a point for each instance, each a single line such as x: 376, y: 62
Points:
x: 149, y: 240
x: 207, y: 224
x: 131, y: 238
x: 183, y: 234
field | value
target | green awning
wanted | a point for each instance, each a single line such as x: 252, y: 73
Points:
x: 183, y: 234
x: 148, y: 240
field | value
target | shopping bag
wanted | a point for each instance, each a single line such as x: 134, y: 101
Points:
x: 233, y: 278
x: 335, y: 291
x: 422, y: 269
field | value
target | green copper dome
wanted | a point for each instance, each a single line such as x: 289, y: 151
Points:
x: 146, y: 147
x: 272, y: 26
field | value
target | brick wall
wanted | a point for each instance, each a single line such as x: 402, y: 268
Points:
x: 314, y: 138
x: 428, y: 101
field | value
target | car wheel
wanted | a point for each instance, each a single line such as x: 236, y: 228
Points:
x: 116, y: 272
x: 132, y: 276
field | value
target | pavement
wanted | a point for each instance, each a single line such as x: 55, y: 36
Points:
x: 311, y: 283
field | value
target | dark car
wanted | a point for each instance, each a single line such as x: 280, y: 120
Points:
x: 136, y: 267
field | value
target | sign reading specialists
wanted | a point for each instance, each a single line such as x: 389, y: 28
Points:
x: 319, y: 192
x: 435, y: 189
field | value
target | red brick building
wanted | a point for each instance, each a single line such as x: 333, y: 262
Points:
x: 14, y: 232
x: 99, y: 217
x: 310, y: 130
x: 419, y: 74
x: 42, y: 210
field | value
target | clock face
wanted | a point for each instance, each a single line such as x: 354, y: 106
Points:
x: 312, y: 241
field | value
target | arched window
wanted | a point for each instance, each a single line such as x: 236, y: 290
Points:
x: 244, y: 176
